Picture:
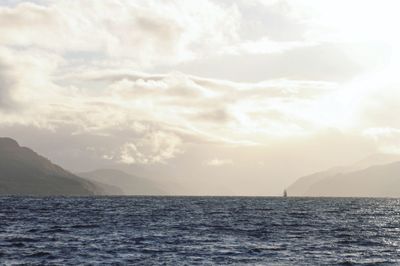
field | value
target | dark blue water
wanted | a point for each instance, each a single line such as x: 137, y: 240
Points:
x: 198, y: 231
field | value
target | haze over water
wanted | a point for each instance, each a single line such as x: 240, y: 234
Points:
x: 199, y: 231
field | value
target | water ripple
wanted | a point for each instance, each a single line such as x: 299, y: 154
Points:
x: 198, y: 231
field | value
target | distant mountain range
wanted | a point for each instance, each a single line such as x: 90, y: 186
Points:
x: 376, y: 176
x: 126, y: 183
x: 24, y: 172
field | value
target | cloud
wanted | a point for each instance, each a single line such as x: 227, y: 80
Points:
x: 386, y: 138
x: 214, y: 116
x: 218, y: 162
x: 25, y: 77
x: 162, y: 32
x: 264, y: 46
x: 96, y: 102
x: 157, y: 147
x: 335, y: 62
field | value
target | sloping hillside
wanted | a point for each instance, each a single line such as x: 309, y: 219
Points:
x: 376, y: 181
x: 358, y: 180
x: 24, y: 172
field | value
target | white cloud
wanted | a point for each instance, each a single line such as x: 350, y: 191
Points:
x: 218, y: 162
x: 26, y: 76
x: 165, y: 32
x: 349, y: 21
x: 387, y: 139
x: 264, y: 46
x: 377, y: 133
x: 156, y: 147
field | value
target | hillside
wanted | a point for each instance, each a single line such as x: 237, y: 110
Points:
x: 376, y: 181
x: 24, y: 172
x: 358, y: 180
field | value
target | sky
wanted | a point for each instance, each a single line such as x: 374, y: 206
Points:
x: 216, y: 97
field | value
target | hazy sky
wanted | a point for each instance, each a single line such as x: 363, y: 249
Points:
x: 237, y: 97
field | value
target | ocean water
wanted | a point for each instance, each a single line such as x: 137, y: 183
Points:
x: 199, y: 231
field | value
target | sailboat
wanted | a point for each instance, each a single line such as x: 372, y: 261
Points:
x: 285, y: 193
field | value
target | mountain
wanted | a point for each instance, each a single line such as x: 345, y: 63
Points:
x: 376, y: 181
x: 24, y: 172
x: 300, y: 186
x: 129, y: 184
x: 358, y: 180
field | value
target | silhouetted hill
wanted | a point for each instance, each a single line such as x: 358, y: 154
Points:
x: 358, y: 180
x: 129, y: 184
x: 24, y: 172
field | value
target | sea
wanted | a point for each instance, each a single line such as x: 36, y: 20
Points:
x: 199, y: 231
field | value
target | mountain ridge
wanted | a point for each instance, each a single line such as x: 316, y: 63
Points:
x: 25, y: 172
x: 373, y: 176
